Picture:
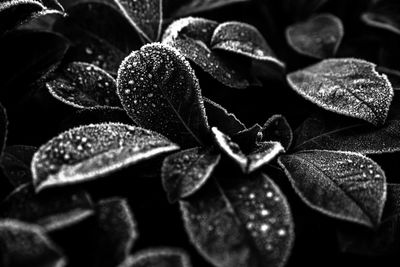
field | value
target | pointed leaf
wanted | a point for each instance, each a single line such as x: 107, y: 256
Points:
x: 245, y: 224
x: 318, y: 37
x: 196, y: 6
x: 277, y: 128
x: 343, y: 185
x: 160, y: 91
x: 165, y: 257
x: 84, y: 85
x: 91, y: 151
x: 185, y: 172
x: 346, y: 86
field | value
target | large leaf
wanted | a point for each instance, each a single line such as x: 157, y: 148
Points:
x: 163, y: 257
x: 160, y: 91
x: 277, y: 128
x: 185, y: 172
x: 84, y: 85
x: 196, y: 6
x: 343, y: 185
x: 247, y: 223
x: 91, y: 151
x: 318, y: 37
x: 347, y: 86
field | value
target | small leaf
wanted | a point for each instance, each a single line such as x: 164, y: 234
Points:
x: 163, y: 257
x: 26, y: 244
x: 185, y: 172
x: 246, y: 224
x: 84, y: 85
x: 160, y: 91
x: 196, y: 6
x: 50, y: 210
x: 383, y: 15
x: 277, y: 128
x: 3, y: 129
x: 248, y: 138
x: 318, y: 37
x: 91, y: 151
x: 343, y: 185
x: 346, y: 86
x: 145, y: 15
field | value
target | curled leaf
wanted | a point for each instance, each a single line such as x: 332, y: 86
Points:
x: 196, y: 6
x: 91, y: 151
x: 343, y: 185
x: 165, y: 257
x: 278, y: 129
x: 383, y: 15
x: 346, y: 86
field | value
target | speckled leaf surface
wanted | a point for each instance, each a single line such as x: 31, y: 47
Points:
x: 83, y: 85
x: 196, y: 6
x: 346, y: 86
x: 160, y: 91
x: 247, y: 223
x: 185, y: 172
x: 277, y: 128
x: 91, y: 151
x: 318, y: 37
x: 343, y: 185
x: 163, y: 257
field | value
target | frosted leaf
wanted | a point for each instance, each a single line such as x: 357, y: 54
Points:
x: 84, y: 85
x: 383, y: 15
x: 185, y: 172
x: 346, y: 86
x: 192, y: 38
x: 196, y: 6
x: 50, y: 210
x: 160, y: 91
x: 3, y: 129
x: 277, y: 128
x: 245, y: 224
x: 318, y: 37
x: 163, y: 257
x: 23, y: 244
x: 261, y: 155
x: 243, y: 39
x: 342, y: 185
x: 91, y: 151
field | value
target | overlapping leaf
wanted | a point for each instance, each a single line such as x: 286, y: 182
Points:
x: 165, y: 257
x: 277, y: 128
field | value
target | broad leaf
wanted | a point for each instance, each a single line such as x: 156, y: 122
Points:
x: 384, y: 15
x: 343, y: 185
x: 246, y: 223
x: 163, y: 257
x: 196, y: 6
x: 91, y: 151
x: 50, y: 210
x: 276, y: 128
x: 26, y: 244
x: 145, y: 15
x: 346, y: 86
x: 84, y: 85
x: 3, y: 129
x: 160, y: 91
x: 185, y: 172
x: 318, y: 37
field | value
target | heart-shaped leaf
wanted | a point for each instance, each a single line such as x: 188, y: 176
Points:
x: 84, y: 85
x: 343, y: 185
x: 3, y: 129
x: 276, y: 128
x: 160, y: 91
x: 346, y: 86
x: 50, y: 210
x: 196, y: 6
x: 185, y: 172
x: 247, y: 223
x: 383, y: 15
x: 145, y: 15
x: 165, y: 257
x: 318, y: 37
x: 24, y: 244
x: 91, y: 151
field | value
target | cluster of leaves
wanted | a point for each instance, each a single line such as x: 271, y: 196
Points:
x: 138, y: 133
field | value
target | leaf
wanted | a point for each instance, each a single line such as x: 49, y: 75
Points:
x: 248, y: 138
x: 342, y: 185
x: 346, y: 86
x: 163, y: 257
x: 277, y: 128
x: 196, y: 6
x: 383, y: 15
x: 83, y: 85
x: 160, y: 91
x: 26, y: 244
x: 263, y: 154
x: 318, y: 37
x: 192, y: 38
x: 248, y: 223
x: 145, y: 15
x: 243, y: 39
x: 91, y: 151
x: 185, y: 172
x: 52, y: 211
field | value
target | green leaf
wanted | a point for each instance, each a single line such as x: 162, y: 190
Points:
x: 277, y: 128
x: 342, y: 185
x: 163, y: 257
x: 185, y: 172
x: 91, y: 151
x: 196, y: 6
x: 346, y: 86
x: 160, y: 91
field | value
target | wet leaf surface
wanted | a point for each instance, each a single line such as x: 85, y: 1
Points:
x: 163, y: 257
x: 277, y: 128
